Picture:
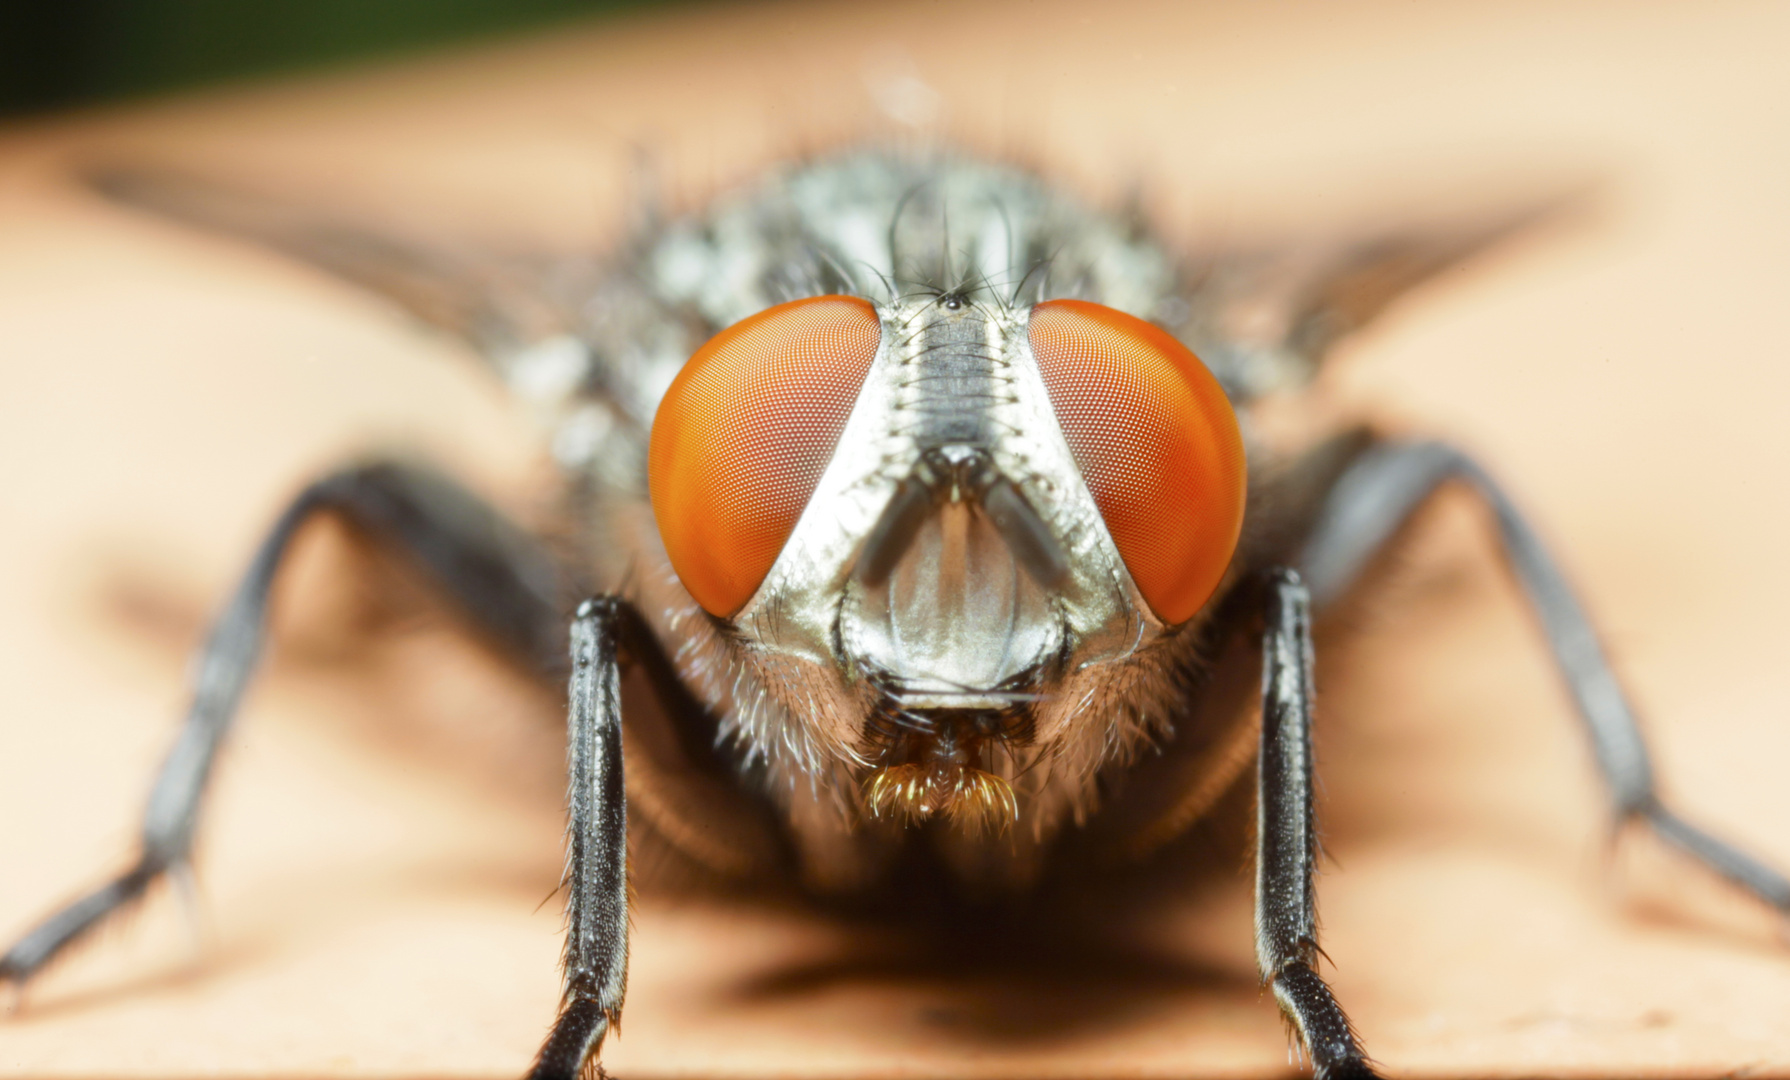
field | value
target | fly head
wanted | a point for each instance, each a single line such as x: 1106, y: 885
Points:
x: 944, y: 520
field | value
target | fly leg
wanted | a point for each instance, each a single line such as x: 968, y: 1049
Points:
x: 1286, y: 921
x: 1365, y: 508
x: 596, y: 878
x: 496, y: 574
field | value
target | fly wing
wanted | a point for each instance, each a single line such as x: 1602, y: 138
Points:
x: 1266, y: 317
x: 498, y: 302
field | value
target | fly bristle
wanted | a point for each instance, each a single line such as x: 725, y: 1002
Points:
x: 975, y: 801
x: 984, y: 803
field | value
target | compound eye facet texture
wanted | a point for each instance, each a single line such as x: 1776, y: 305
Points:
x: 743, y: 435
x: 1156, y: 441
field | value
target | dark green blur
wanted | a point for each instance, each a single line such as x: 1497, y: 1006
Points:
x: 60, y: 53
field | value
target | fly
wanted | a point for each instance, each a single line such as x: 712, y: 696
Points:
x: 932, y: 500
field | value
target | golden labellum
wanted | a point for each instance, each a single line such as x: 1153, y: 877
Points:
x: 974, y: 800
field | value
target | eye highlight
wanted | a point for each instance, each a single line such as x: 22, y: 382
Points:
x: 1156, y: 441
x: 743, y: 434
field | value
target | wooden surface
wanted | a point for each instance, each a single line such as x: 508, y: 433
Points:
x: 386, y: 827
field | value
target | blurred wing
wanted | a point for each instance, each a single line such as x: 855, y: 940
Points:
x: 1267, y: 317
x: 500, y: 303
x: 1263, y: 317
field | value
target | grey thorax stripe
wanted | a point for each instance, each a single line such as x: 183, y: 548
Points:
x: 956, y: 376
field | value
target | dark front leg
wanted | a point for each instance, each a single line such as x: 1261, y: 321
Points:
x: 496, y: 574
x: 596, y: 956
x: 1286, y: 918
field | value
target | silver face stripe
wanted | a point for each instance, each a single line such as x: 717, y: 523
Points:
x: 957, y: 376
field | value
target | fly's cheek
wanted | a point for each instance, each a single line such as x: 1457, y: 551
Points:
x: 1156, y: 441
x: 743, y: 435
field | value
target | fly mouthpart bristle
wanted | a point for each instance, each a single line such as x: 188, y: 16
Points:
x: 975, y: 801
x: 899, y: 791
x: 984, y: 803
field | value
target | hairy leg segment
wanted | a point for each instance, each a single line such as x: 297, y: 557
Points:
x: 596, y: 878
x: 1286, y: 910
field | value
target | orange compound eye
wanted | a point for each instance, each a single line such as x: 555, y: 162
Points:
x: 743, y: 435
x: 1156, y: 441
